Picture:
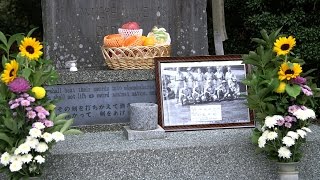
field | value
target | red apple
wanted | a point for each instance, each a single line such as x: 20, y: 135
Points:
x: 130, y: 25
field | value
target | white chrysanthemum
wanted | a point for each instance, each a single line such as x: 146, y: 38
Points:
x: 34, y: 132
x: 272, y: 135
x: 288, y: 141
x: 32, y: 142
x: 24, y: 148
x: 263, y: 128
x: 265, y: 133
x: 306, y: 129
x: 270, y: 122
x: 301, y: 133
x: 38, y: 125
x: 284, y: 152
x: 5, y: 158
x: 26, y: 158
x: 262, y: 141
x: 305, y: 114
x: 310, y: 113
x: 39, y: 159
x: 293, y: 135
x: 15, y: 158
x: 58, y: 136
x: 42, y: 147
x: 15, y: 166
x: 47, y: 137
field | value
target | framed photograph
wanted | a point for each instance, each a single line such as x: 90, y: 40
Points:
x: 202, y: 92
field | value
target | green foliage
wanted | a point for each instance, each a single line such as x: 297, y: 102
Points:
x: 16, y: 124
x: 272, y: 91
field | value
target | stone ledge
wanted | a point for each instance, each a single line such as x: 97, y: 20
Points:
x: 130, y: 134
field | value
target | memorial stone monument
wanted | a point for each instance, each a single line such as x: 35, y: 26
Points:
x: 74, y: 31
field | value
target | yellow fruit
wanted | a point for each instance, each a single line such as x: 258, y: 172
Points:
x: 149, y: 41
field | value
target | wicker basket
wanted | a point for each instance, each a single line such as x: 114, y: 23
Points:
x: 134, y: 57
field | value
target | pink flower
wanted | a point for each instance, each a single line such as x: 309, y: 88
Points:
x: 25, y: 95
x: 287, y: 124
x: 19, y: 85
x: 18, y: 100
x: 14, y: 105
x: 31, y: 114
x: 41, y: 115
x: 306, y: 90
x: 25, y: 103
x: 293, y: 108
x: 11, y: 102
x: 48, y: 123
x: 31, y: 99
x: 39, y: 109
x: 45, y: 112
x: 28, y: 108
x: 280, y: 122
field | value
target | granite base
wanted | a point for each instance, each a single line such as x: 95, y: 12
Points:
x: 131, y: 135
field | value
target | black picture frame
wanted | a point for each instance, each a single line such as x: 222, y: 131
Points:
x: 200, y: 92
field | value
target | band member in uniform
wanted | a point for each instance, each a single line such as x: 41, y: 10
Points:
x: 179, y: 83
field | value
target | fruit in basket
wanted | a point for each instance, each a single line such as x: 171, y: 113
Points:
x: 130, y: 25
x: 133, y: 41
x: 160, y: 35
x: 113, y: 40
x: 149, y: 41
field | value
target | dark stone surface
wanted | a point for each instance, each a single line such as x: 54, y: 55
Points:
x: 74, y: 29
x: 101, y: 103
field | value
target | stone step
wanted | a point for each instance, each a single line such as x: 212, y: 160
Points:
x: 195, y: 155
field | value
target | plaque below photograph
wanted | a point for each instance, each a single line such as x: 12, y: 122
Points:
x: 202, y: 92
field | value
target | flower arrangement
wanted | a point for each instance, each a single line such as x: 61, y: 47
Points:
x: 281, y: 95
x: 29, y: 126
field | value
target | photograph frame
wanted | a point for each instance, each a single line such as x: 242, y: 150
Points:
x: 182, y: 106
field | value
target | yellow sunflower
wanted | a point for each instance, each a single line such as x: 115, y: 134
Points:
x: 10, y: 72
x: 31, y: 48
x: 283, y: 45
x: 281, y: 88
x: 289, y: 71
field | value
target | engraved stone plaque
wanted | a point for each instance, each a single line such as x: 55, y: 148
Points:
x: 74, y: 29
x: 101, y: 103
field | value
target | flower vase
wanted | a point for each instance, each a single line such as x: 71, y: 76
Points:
x: 288, y: 171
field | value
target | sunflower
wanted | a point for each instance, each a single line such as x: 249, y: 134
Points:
x: 281, y: 88
x: 283, y: 45
x: 289, y: 71
x: 10, y: 72
x: 31, y: 48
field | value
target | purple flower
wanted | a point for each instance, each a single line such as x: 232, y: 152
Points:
x: 45, y: 112
x: 293, y: 108
x: 31, y: 114
x: 19, y: 85
x: 299, y: 80
x: 306, y: 90
x: 25, y: 103
x: 303, y: 108
x: 288, y: 119
x: 280, y: 122
x: 28, y: 108
x: 14, y: 105
x: 18, y: 100
x: 31, y: 99
x: 48, y: 123
x: 287, y: 124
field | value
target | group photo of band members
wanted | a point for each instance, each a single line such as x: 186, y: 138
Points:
x: 197, y: 85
